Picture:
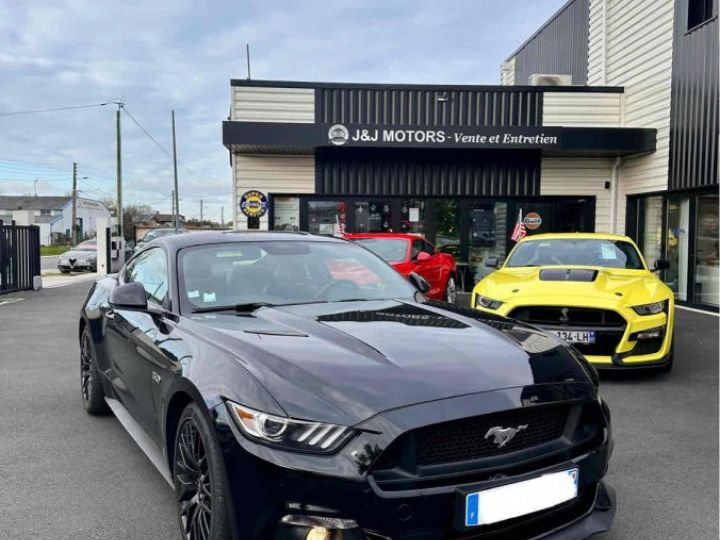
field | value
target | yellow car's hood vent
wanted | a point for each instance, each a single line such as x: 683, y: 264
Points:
x: 568, y: 274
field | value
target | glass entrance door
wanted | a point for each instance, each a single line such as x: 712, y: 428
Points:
x: 677, y: 246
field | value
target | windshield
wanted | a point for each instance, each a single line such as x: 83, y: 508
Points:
x: 88, y: 245
x: 220, y: 276
x: 390, y: 249
x: 576, y: 251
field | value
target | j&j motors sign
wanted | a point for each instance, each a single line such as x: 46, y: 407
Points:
x: 358, y: 135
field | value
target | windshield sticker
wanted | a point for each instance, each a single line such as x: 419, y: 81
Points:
x: 608, y: 251
x: 209, y: 297
x: 193, y: 294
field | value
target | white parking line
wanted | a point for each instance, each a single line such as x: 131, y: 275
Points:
x: 3, y: 302
x: 695, y: 310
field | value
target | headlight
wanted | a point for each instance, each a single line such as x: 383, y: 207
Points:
x: 487, y: 303
x: 297, y: 435
x: 650, y: 309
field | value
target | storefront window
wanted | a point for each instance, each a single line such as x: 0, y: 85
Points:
x: 706, y: 250
x: 447, y: 238
x: 326, y: 217
x: 488, y: 224
x: 286, y: 213
x: 652, y: 229
x: 373, y: 216
x: 677, y: 254
x: 412, y: 216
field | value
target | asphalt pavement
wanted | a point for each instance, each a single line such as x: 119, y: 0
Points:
x: 49, y: 263
x: 68, y: 475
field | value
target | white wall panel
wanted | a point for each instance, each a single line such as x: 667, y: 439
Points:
x: 638, y: 41
x: 582, y: 109
x: 583, y: 177
x: 264, y: 104
x: 270, y: 174
x: 507, y: 72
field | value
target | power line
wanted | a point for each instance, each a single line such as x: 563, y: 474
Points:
x: 70, y: 108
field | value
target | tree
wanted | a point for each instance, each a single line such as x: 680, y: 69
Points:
x: 132, y: 214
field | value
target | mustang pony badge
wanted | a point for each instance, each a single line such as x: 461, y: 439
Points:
x: 502, y: 436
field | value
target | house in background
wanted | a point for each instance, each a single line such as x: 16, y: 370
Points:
x: 54, y: 215
x: 143, y: 224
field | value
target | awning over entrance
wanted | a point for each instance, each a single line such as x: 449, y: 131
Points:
x: 551, y: 141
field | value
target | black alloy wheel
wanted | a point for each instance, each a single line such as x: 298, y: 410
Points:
x: 91, y: 391
x: 200, y: 484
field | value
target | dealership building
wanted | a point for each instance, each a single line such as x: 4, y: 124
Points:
x: 606, y: 120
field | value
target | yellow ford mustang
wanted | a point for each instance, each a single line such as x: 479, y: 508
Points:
x: 593, y: 290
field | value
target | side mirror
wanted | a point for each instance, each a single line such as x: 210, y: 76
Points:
x: 492, y: 262
x: 417, y: 281
x: 423, y: 256
x: 129, y: 296
x: 661, y: 264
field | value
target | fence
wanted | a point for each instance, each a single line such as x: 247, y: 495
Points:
x: 19, y: 256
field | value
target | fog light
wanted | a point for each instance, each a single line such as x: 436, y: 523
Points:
x: 318, y: 533
x: 650, y: 333
x: 319, y: 522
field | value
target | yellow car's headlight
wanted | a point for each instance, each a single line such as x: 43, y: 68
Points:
x: 650, y: 309
x: 487, y: 303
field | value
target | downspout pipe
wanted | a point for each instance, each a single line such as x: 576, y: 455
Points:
x: 614, y: 191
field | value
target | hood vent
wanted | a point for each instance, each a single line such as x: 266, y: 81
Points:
x: 568, y: 274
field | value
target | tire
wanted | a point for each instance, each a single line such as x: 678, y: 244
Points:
x: 201, y: 484
x: 451, y: 290
x: 63, y: 271
x: 91, y: 390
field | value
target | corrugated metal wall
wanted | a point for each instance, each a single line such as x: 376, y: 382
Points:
x: 694, y: 117
x: 582, y: 109
x: 271, y: 104
x: 426, y: 172
x: 633, y: 49
x: 429, y: 107
x: 561, y: 46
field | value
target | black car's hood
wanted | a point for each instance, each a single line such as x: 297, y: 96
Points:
x: 345, y: 362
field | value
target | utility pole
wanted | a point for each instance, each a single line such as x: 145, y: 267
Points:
x: 222, y: 217
x: 35, y: 185
x: 201, y: 211
x: 119, y: 211
x: 73, y: 227
x: 176, y: 199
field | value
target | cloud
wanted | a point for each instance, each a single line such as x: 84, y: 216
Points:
x: 180, y: 55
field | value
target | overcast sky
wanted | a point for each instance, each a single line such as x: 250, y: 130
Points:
x: 178, y: 54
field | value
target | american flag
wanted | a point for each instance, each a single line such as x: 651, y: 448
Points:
x: 519, y: 231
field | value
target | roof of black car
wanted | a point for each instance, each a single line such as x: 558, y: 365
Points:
x: 180, y: 241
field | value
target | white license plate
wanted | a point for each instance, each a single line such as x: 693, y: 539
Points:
x: 575, y: 336
x: 521, y: 498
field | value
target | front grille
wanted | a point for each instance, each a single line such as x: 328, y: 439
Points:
x: 608, y: 325
x: 465, y: 440
x: 567, y: 316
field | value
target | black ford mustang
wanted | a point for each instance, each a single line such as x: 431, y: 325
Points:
x: 297, y: 387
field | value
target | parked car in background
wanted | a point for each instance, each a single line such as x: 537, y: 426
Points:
x: 81, y: 258
x: 287, y: 395
x: 411, y: 253
x: 157, y: 233
x: 592, y: 290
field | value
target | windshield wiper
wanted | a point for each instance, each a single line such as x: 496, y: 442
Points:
x: 250, y: 306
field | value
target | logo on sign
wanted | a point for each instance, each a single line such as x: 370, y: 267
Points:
x: 532, y: 220
x: 253, y: 204
x: 710, y: 222
x: 338, y: 134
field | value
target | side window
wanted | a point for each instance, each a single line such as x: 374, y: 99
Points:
x: 417, y: 247
x: 427, y: 246
x: 150, y: 269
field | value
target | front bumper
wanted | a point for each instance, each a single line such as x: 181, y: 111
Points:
x: 629, y: 352
x: 268, y: 484
x: 77, y: 267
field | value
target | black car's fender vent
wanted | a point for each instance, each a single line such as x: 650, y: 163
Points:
x: 568, y: 274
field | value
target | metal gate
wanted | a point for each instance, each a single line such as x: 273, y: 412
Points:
x: 19, y: 256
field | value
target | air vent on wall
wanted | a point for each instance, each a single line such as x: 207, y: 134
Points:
x: 547, y: 79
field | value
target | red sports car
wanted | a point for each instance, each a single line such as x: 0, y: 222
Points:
x: 412, y: 253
